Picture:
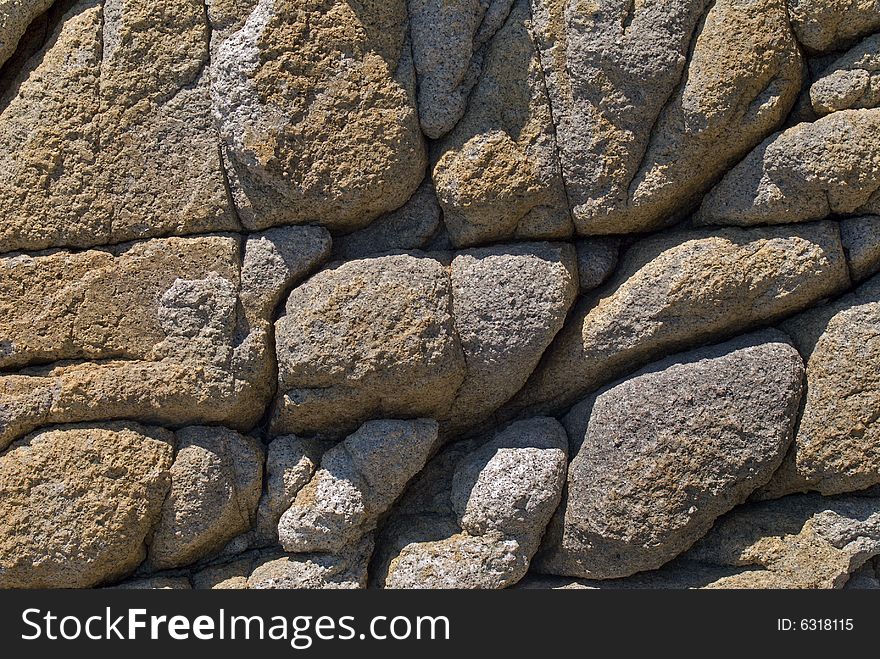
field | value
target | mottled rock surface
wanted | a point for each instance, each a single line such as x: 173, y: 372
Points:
x: 680, y: 289
x: 837, y: 448
x: 216, y: 480
x: 300, y: 293
x: 484, y: 524
x: 661, y: 455
x: 808, y: 172
x: 78, y: 502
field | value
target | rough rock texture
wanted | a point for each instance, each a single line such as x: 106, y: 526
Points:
x: 497, y: 174
x: 216, y: 480
x: 484, y: 524
x: 861, y: 240
x: 409, y: 227
x: 15, y: 16
x: 823, y: 25
x: 107, y: 135
x: 78, y: 502
x: 529, y: 287
x: 851, y: 82
x: 373, y: 337
x: 448, y: 37
x: 358, y: 481
x: 807, y: 172
x: 150, y: 331
x: 681, y: 289
x: 315, y: 103
x: 661, y: 455
x: 341, y: 258
x: 838, y: 442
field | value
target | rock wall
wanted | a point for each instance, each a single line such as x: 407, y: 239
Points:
x: 439, y: 293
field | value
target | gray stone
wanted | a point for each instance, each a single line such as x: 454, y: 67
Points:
x: 861, y: 241
x: 667, y: 451
x: 216, y: 482
x: 808, y: 172
x: 291, y: 462
x: 409, y: 227
x: 596, y: 260
x: 314, y: 571
x: 497, y: 173
x: 677, y: 290
x: 358, y: 481
x: 447, y: 38
x: 369, y: 338
x: 508, y: 302
x: 610, y: 70
x: 478, y: 517
x: 275, y: 261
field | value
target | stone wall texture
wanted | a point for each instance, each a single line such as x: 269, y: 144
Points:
x: 440, y: 293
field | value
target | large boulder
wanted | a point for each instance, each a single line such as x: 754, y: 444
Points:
x: 662, y: 454
x: 78, y: 503
x: 315, y: 104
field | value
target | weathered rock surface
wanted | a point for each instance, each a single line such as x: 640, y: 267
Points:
x: 610, y: 70
x: 596, y: 261
x: 358, y: 481
x: 677, y: 290
x: 664, y: 453
x: 368, y: 338
x: 315, y: 103
x: 851, y: 82
x: 508, y: 302
x: 275, y: 261
x: 157, y: 324
x: 823, y: 25
x: 106, y: 135
x: 216, y: 481
x: 861, y: 240
x: 837, y: 448
x: 808, y: 172
x: 447, y: 41
x: 493, y: 504
x: 78, y: 503
x: 497, y: 173
x: 15, y: 16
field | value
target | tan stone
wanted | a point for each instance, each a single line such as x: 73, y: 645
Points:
x: 15, y: 16
x: 315, y: 103
x: 160, y: 319
x: 497, y: 173
x: 79, y: 502
x: 677, y: 290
